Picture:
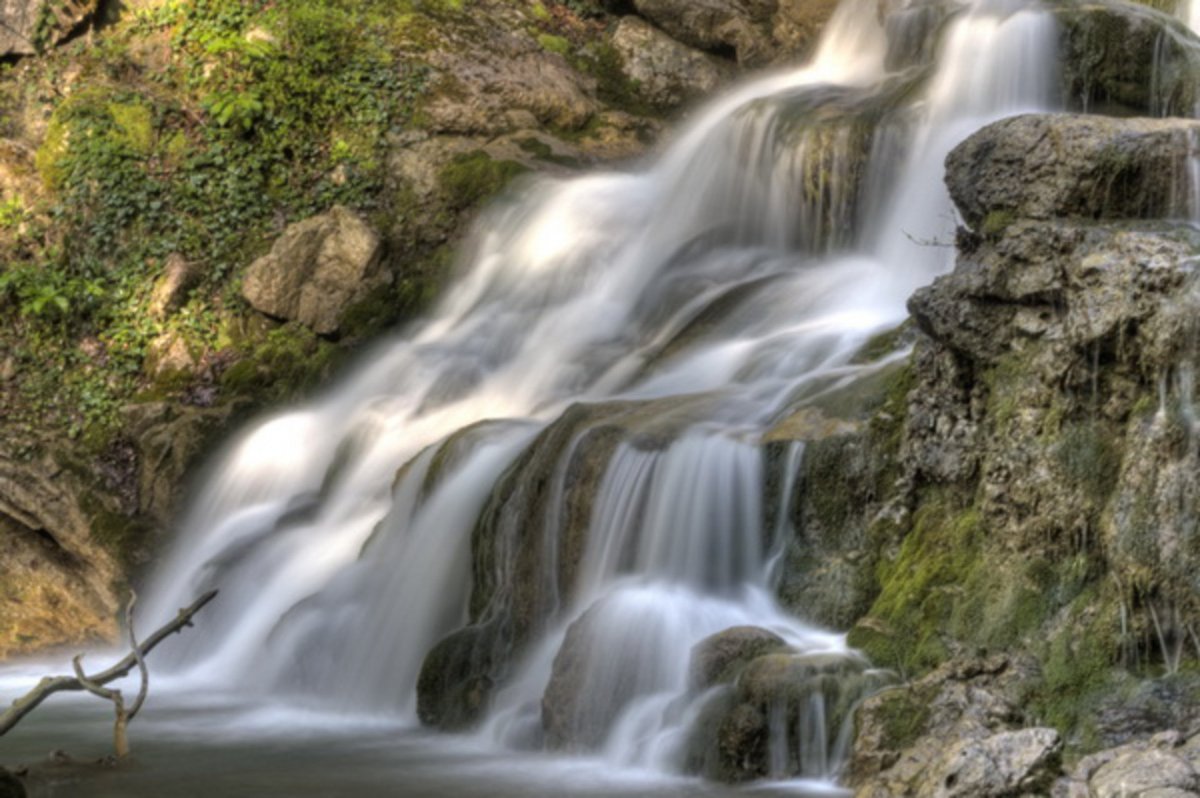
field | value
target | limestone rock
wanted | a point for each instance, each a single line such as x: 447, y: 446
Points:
x: 1052, y: 166
x: 1006, y: 763
x: 59, y: 575
x: 716, y: 658
x: 170, y: 291
x: 26, y: 25
x: 740, y: 27
x: 668, y: 73
x: 492, y: 78
x: 316, y: 270
x: 1164, y: 766
x: 953, y: 733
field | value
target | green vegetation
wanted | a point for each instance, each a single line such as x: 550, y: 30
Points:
x: 255, y: 115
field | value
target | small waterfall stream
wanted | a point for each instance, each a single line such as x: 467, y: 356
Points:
x: 689, y: 306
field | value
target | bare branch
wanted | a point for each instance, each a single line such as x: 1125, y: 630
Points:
x: 88, y: 684
x: 141, y: 660
x: 57, y: 684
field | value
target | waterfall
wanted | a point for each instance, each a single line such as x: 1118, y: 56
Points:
x: 644, y: 328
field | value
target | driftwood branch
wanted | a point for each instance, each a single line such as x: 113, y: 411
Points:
x: 95, y: 683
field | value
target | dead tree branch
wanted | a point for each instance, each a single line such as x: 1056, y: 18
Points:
x: 95, y: 684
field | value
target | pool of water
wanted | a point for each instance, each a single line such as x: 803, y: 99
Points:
x: 212, y: 745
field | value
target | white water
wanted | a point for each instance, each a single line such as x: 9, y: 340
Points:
x: 340, y: 536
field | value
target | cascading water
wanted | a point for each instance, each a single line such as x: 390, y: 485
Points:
x: 675, y: 314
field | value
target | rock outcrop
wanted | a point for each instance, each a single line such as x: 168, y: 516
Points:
x: 316, y: 270
x: 1045, y: 457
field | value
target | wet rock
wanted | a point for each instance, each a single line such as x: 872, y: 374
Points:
x: 10, y: 785
x: 171, y: 439
x: 1054, y: 166
x: 782, y: 716
x: 316, y: 270
x: 454, y: 687
x: 29, y: 25
x: 1127, y: 59
x: 667, y: 73
x: 720, y: 657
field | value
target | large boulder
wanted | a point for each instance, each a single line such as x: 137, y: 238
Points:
x: 316, y: 270
x: 1059, y: 166
x: 27, y: 26
x: 667, y: 72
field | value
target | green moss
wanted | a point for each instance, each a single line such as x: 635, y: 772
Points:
x: 554, y: 44
x: 279, y: 366
x: 134, y: 126
x: 471, y: 178
x: 903, y: 713
x: 1078, y: 665
x: 995, y: 223
x: 1090, y: 458
x: 908, y: 625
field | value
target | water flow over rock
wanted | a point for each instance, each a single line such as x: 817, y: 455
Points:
x: 560, y: 475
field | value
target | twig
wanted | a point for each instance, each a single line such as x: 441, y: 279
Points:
x: 95, y: 684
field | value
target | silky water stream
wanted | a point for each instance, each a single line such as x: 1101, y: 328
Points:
x: 643, y: 329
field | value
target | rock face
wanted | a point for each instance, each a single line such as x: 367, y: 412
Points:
x: 1045, y: 464
x: 58, y: 579
x: 28, y: 25
x: 316, y: 270
x: 953, y: 733
x: 668, y: 73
